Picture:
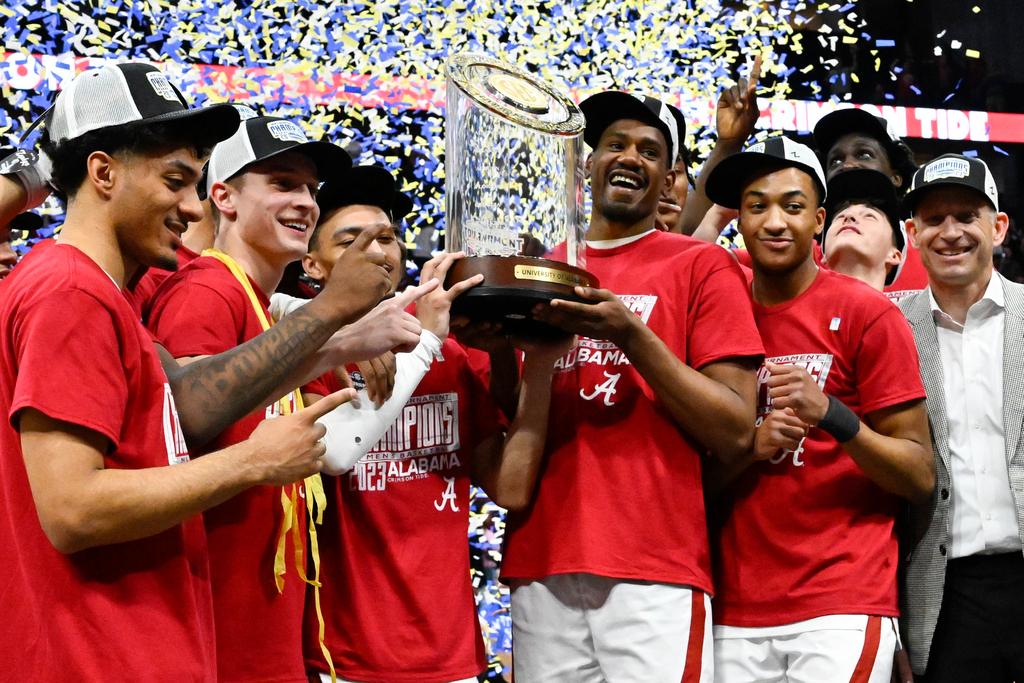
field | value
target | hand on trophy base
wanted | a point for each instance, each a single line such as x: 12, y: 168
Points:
x: 512, y: 287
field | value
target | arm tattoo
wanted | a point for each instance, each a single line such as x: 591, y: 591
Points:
x: 212, y: 393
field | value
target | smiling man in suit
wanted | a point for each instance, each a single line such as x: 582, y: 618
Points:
x: 964, y: 611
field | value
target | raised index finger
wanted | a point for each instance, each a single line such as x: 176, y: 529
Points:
x: 327, y: 404
x: 755, y: 75
x: 413, y: 293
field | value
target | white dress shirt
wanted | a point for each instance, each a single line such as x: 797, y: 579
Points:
x: 983, y: 515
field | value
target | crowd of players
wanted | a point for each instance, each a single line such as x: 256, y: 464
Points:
x: 795, y: 462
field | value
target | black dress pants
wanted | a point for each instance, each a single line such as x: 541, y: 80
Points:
x: 979, y: 637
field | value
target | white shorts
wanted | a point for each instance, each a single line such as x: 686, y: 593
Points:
x: 326, y: 678
x: 847, y: 648
x: 582, y: 628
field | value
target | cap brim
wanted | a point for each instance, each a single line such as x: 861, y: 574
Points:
x: 864, y: 184
x: 913, y: 197
x: 725, y: 184
x: 605, y: 108
x: 211, y: 125
x: 874, y: 187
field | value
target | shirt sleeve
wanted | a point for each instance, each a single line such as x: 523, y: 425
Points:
x: 720, y: 317
x: 70, y: 365
x: 887, y: 369
x: 189, y: 319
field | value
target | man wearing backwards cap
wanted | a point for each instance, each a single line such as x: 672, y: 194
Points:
x: 393, y: 550
x: 853, y: 139
x: 807, y: 553
x: 964, y: 598
x: 606, y: 549
x: 262, y: 182
x: 864, y: 238
x: 108, y: 566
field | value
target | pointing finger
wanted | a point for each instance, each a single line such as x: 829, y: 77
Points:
x: 327, y: 404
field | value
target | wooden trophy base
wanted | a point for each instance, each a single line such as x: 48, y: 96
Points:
x: 512, y: 286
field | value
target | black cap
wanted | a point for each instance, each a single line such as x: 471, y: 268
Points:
x: 725, y: 184
x: 27, y: 222
x: 834, y: 125
x: 867, y: 186
x: 953, y: 169
x: 262, y: 137
x: 605, y: 108
x: 117, y: 94
x: 369, y: 185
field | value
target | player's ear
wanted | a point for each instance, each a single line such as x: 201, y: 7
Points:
x: 819, y: 218
x: 223, y: 200
x: 313, y: 268
x: 588, y: 164
x: 911, y: 229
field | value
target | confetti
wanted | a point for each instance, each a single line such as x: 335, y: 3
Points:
x: 370, y: 73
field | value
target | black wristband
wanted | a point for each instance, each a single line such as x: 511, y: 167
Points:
x: 839, y: 421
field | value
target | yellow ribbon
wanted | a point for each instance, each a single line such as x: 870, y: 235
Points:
x: 316, y: 499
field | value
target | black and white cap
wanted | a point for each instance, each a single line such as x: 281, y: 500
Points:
x: 726, y: 182
x: 953, y: 169
x: 867, y: 186
x: 605, y: 108
x: 369, y: 185
x: 263, y: 137
x: 116, y: 94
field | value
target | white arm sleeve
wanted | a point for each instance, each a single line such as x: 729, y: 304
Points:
x: 352, y: 431
x: 282, y: 304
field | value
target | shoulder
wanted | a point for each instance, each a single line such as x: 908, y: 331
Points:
x: 63, y: 272
x: 1013, y: 292
x: 201, y: 277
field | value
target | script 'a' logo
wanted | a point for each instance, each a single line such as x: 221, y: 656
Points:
x: 605, y: 388
x: 448, y: 497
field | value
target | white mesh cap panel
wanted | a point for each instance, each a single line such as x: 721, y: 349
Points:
x: 95, y: 99
x: 229, y: 157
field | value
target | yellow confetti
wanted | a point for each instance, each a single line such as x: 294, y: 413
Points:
x: 974, y: 54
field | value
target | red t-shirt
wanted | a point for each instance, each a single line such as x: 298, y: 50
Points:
x: 912, y: 278
x: 73, y: 349
x: 808, y: 534
x: 397, y: 598
x: 202, y: 310
x: 145, y: 289
x: 619, y: 494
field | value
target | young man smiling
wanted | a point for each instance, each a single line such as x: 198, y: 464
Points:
x: 607, y: 549
x: 806, y: 561
x: 263, y: 182
x: 108, y: 571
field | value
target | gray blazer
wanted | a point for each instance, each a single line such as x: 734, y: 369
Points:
x: 926, y: 563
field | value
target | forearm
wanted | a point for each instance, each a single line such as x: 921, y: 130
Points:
x: 697, y: 202
x: 120, y: 505
x: 504, y: 384
x: 216, y: 391
x: 352, y: 431
x: 898, y: 465
x: 509, y: 474
x: 12, y: 199
x: 721, y: 419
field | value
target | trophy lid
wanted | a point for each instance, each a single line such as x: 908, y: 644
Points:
x: 514, y: 94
